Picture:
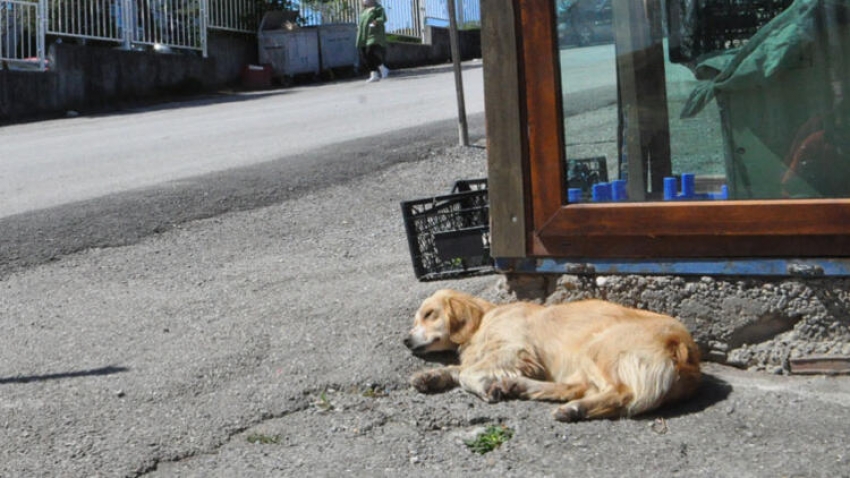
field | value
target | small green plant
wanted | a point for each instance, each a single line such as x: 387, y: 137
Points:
x: 490, y: 439
x: 262, y: 439
x: 374, y: 392
x: 323, y: 403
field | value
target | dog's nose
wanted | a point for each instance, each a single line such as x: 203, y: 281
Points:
x: 407, y: 342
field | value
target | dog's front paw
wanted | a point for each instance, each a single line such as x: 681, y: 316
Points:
x: 504, y: 389
x: 571, y: 412
x: 421, y: 381
x: 432, y: 381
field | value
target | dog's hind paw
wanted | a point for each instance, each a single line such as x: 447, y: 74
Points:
x: 571, y: 412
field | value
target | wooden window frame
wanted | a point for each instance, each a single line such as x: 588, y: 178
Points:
x: 526, y: 158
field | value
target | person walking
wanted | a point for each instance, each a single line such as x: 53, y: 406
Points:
x: 372, y: 39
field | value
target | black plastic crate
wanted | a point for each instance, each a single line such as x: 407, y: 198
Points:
x: 465, y: 185
x: 449, y: 236
x: 701, y: 27
x: 583, y: 173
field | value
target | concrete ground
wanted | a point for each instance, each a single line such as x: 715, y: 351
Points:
x: 267, y: 342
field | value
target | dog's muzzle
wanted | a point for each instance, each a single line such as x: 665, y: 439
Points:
x: 415, y: 346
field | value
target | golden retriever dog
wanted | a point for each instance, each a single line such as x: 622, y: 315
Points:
x: 600, y: 359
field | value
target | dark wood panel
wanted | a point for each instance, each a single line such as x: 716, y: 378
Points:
x: 702, y: 247
x: 544, y: 120
x: 809, y: 228
x: 720, y: 218
x: 506, y: 183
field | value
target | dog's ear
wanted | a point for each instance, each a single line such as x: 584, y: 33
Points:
x: 464, y: 318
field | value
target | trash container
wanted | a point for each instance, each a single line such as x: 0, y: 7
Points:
x: 337, y: 43
x: 289, y: 49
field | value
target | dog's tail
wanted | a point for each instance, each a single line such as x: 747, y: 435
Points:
x: 667, y: 375
x: 686, y: 360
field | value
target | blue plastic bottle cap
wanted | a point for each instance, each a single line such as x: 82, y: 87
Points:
x: 688, y: 185
x: 618, y: 190
x: 601, y: 192
x: 670, y: 188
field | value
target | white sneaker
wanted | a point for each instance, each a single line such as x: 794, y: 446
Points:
x: 385, y: 72
x: 373, y: 77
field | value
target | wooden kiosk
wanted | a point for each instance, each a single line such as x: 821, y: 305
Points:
x: 534, y: 228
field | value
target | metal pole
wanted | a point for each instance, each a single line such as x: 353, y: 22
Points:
x: 128, y: 23
x: 41, y: 35
x: 463, y: 131
x: 204, y: 28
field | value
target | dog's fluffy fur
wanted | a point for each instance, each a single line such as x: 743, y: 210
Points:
x: 602, y: 359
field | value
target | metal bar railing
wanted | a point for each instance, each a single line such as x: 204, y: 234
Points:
x: 403, y: 16
x: 233, y: 15
x: 86, y: 19
x: 468, y: 11
x: 162, y: 23
x: 401, y: 19
x: 323, y: 13
x: 184, y: 24
x: 22, y: 34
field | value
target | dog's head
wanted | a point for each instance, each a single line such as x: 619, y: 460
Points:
x: 445, y: 321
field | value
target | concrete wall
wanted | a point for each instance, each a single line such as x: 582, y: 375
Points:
x: 230, y: 52
x: 436, y: 49
x: 95, y: 78
x: 88, y: 78
x: 753, y: 323
x: 27, y: 94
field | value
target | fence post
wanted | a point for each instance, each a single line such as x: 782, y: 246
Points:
x: 204, y: 24
x: 41, y: 34
x: 423, y: 29
x: 128, y: 22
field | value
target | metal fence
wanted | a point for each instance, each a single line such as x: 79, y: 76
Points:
x: 404, y: 17
x: 340, y: 11
x: 167, y: 23
x: 232, y: 15
x: 22, y: 33
x: 468, y: 12
x: 89, y: 19
x: 161, y: 24
x: 183, y: 24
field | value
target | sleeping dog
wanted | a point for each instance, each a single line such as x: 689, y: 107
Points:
x: 601, y: 360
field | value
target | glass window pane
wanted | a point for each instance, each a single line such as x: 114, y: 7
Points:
x: 751, y: 106
x: 589, y: 87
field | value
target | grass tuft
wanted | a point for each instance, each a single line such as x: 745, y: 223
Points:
x: 323, y: 403
x: 490, y: 439
x: 262, y: 439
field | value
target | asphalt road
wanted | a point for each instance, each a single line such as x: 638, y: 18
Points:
x: 53, y: 163
x: 110, y: 180
x: 248, y: 322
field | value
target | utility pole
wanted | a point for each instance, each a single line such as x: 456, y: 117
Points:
x: 463, y: 130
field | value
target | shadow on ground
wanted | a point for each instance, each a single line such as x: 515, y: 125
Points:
x: 711, y: 391
x: 59, y: 376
